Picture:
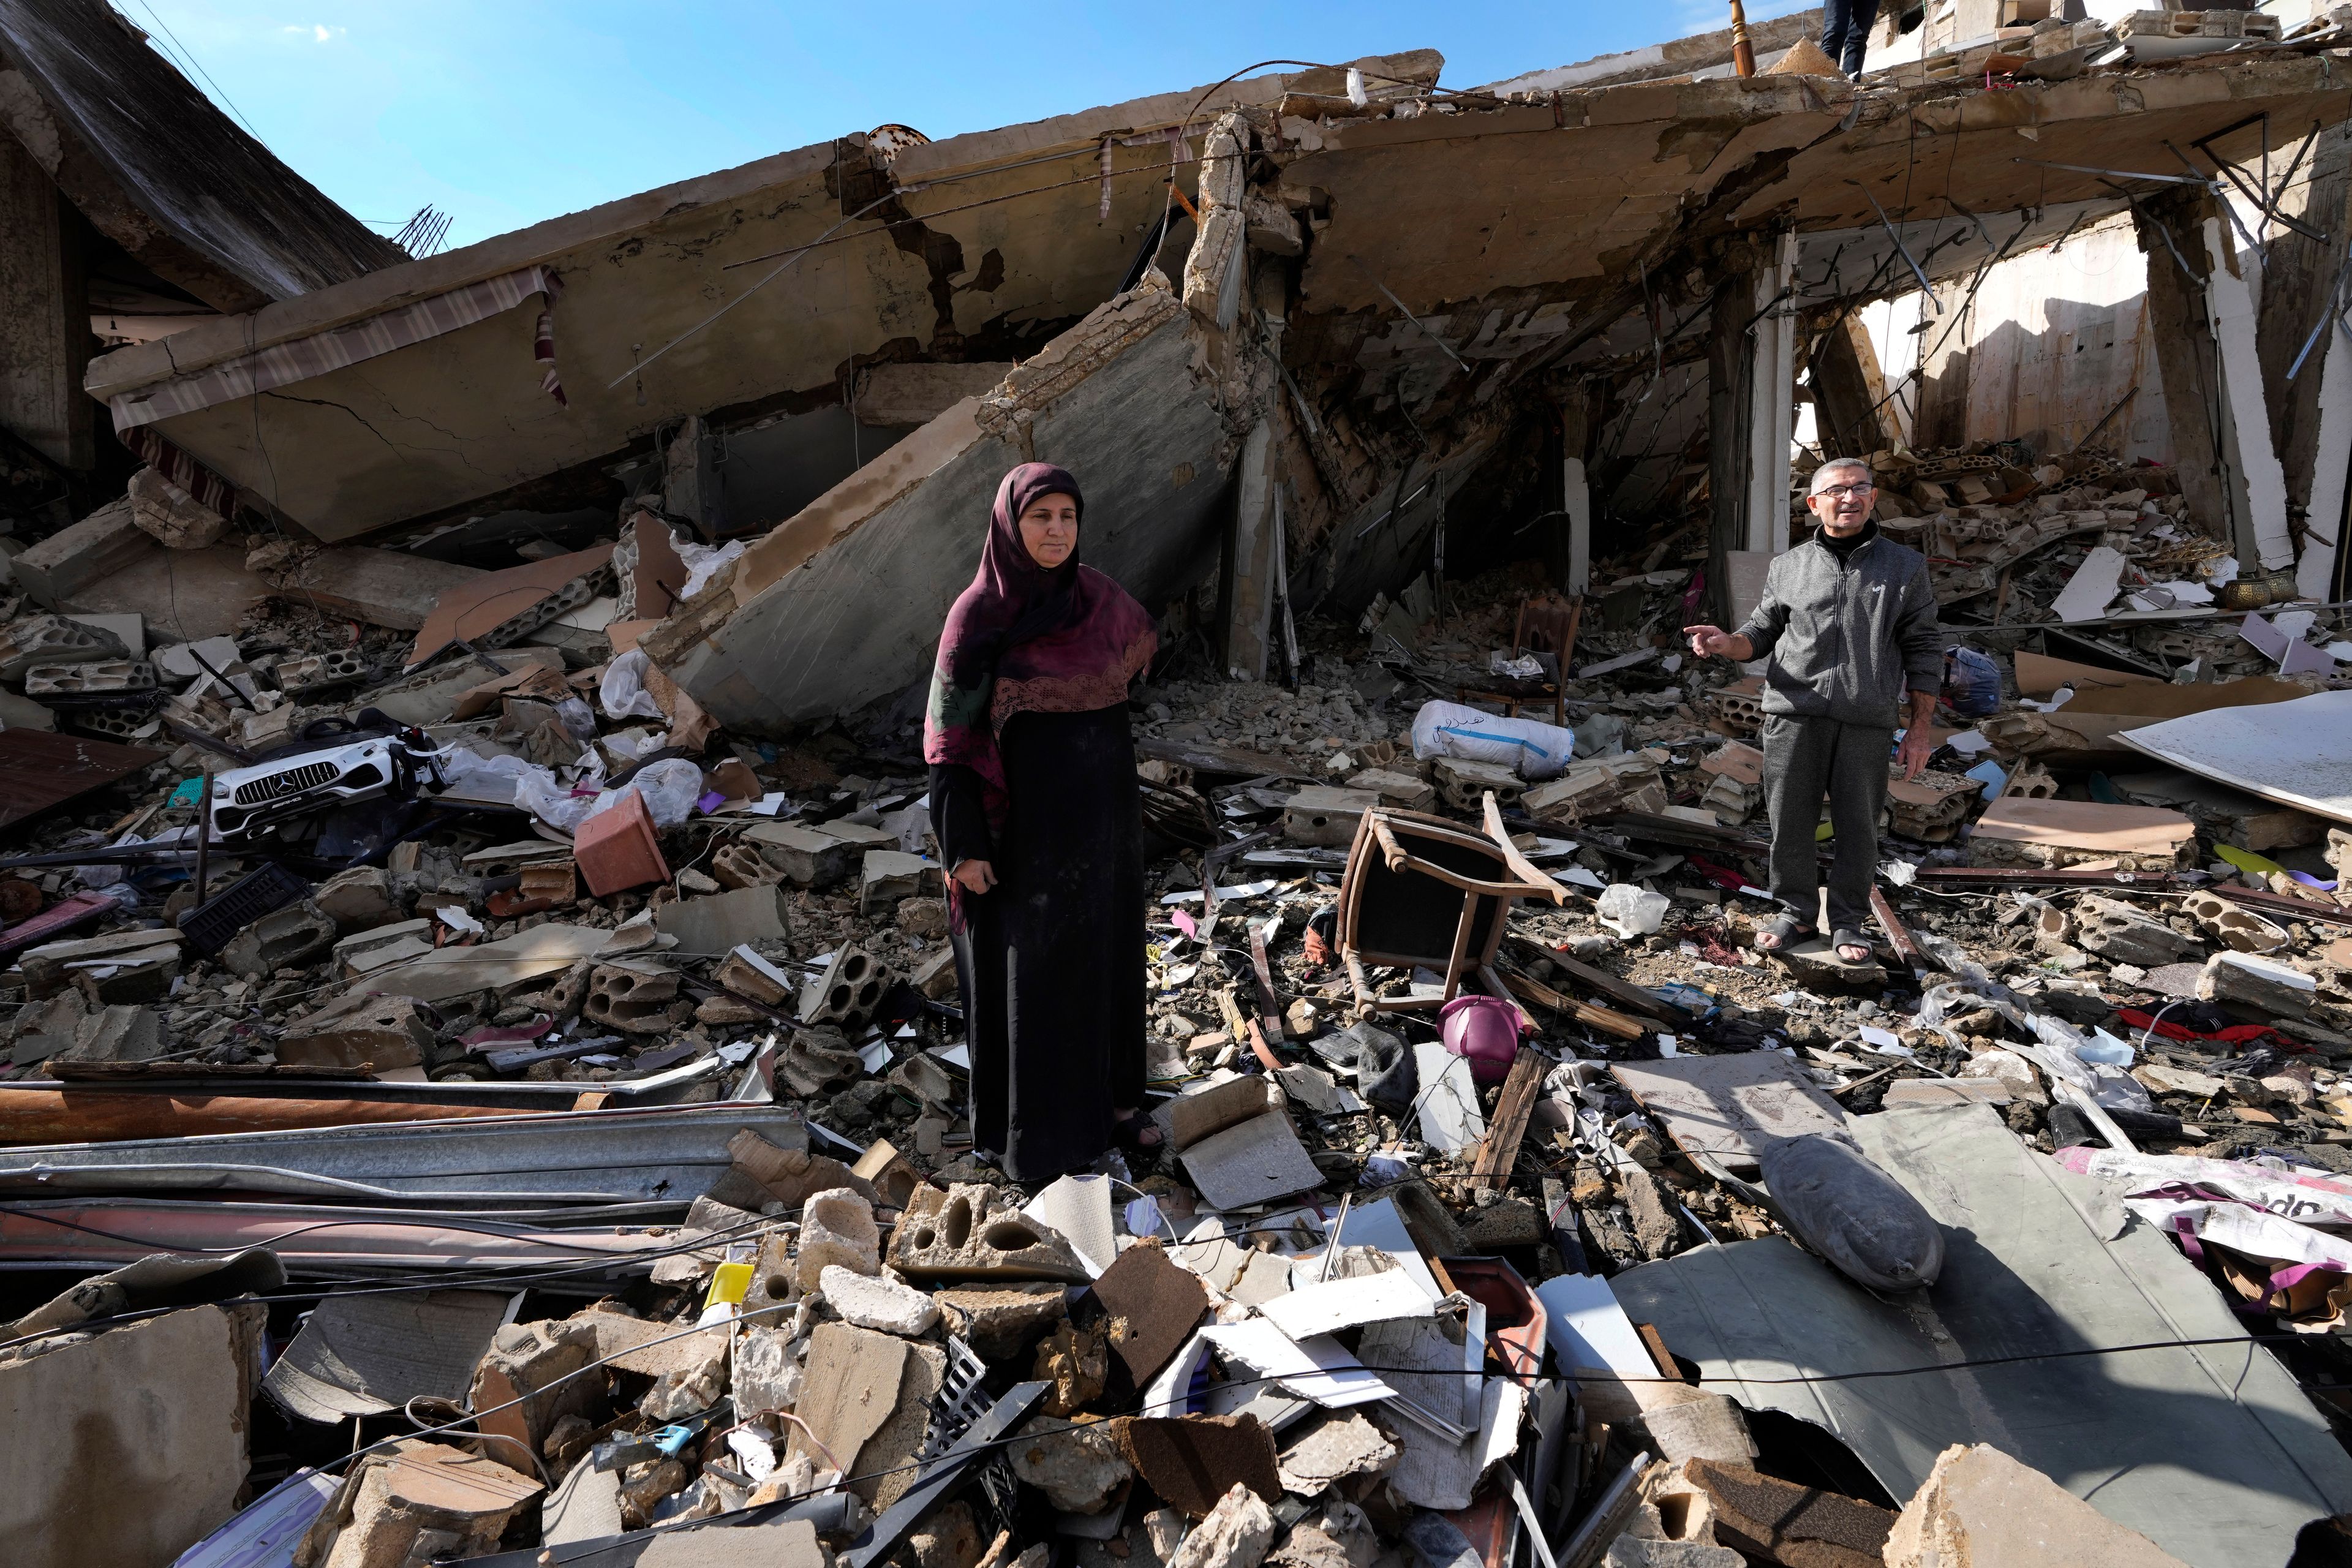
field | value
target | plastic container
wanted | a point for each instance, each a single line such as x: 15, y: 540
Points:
x: 1486, y: 1031
x: 263, y: 891
x: 617, y: 848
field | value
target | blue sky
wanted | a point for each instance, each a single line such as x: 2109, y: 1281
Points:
x: 503, y: 112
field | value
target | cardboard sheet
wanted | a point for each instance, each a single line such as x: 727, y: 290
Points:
x: 2209, y: 1450
x: 2298, y: 753
x: 1255, y: 1162
x: 2087, y: 825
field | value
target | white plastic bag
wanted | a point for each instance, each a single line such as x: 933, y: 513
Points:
x: 1632, y: 911
x: 623, y: 691
x: 1534, y: 751
x: 703, y: 562
x: 670, y: 786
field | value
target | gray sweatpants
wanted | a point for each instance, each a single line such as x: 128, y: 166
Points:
x: 1803, y: 759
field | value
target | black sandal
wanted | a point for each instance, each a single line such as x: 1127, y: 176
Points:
x: 1786, y: 931
x: 1127, y: 1134
x: 1845, y: 936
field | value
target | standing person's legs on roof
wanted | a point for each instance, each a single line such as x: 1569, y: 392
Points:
x: 1857, y: 786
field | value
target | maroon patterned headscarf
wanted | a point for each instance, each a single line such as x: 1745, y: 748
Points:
x: 1023, y: 639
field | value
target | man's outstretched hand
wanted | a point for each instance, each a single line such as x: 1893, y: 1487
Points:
x: 1714, y: 642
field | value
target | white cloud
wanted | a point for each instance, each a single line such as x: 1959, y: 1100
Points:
x: 319, y: 31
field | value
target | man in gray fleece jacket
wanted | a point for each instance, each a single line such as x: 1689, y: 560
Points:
x: 1848, y: 624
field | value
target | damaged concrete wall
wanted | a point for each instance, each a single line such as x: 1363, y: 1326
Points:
x: 130, y: 1446
x: 843, y: 602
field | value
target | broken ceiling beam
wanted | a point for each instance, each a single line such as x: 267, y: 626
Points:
x: 843, y: 604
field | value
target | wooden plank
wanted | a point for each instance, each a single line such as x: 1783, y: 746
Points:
x: 2086, y: 825
x: 1500, y: 1151
x: 42, y: 768
x: 1269, y: 1004
x: 1897, y: 932
x: 1608, y: 984
x: 1529, y: 989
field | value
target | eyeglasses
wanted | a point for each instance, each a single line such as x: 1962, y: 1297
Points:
x: 1838, y: 492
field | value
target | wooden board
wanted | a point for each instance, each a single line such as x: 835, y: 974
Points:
x: 1730, y: 1107
x: 41, y: 768
x: 2086, y: 825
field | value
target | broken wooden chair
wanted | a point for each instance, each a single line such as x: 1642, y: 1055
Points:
x: 1423, y: 892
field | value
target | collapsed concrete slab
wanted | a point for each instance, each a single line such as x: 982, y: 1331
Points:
x: 843, y: 604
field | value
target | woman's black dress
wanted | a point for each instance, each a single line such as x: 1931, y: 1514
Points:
x: 1051, y: 965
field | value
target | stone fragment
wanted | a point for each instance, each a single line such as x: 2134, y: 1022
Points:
x: 2254, y: 988
x: 876, y: 1302
x: 1980, y: 1509
x: 690, y: 1389
x: 1076, y: 1466
x: 1235, y: 1535
x: 792, y: 1176
x: 947, y: 1538
x: 531, y: 1363
x: 170, y: 515
x: 1630, y: 1551
x: 282, y: 939
x: 807, y: 858
x: 1338, y: 1447
x: 100, y: 546
x: 1193, y: 1460
x: 1508, y: 1222
x: 888, y: 876
x: 414, y: 1503
x: 972, y: 1232
x: 1002, y: 1322
x: 379, y: 947
x: 812, y: 1062
x: 123, y: 1033
x: 1338, y: 1535
x: 759, y: 982
x: 2123, y: 933
x: 925, y: 916
x: 35, y: 640
x: 1657, y: 1221
x: 764, y: 1371
x: 360, y: 1029
x: 1077, y: 1361
x: 1780, y: 1521
x: 359, y: 899
x: 741, y: 866
x: 837, y: 1229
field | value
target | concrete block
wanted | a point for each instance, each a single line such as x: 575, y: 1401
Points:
x: 35, y: 641
x: 170, y: 515
x: 1410, y: 791
x: 89, y: 678
x: 143, y: 977
x: 837, y: 1229
x: 807, y: 858
x: 635, y: 998
x: 1326, y: 817
x: 972, y: 1232
x: 49, y: 968
x: 1235, y: 1534
x: 416, y: 1502
x: 888, y: 875
x: 2123, y: 933
x: 100, y: 546
x: 360, y: 898
x: 1766, y: 1518
x: 122, y: 1034
x: 721, y: 923
x: 179, y: 663
x: 846, y: 991
x: 360, y: 1029
x: 379, y: 947
x: 1002, y: 1322
x: 876, y: 1302
x: 528, y: 1363
x: 279, y: 940
x: 1076, y: 1466
x: 1980, y: 1509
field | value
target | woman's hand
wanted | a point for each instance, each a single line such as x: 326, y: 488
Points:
x: 974, y: 876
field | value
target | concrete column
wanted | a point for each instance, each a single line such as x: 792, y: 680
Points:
x: 1577, y: 496
x: 2323, y: 526
x: 1730, y: 423
x: 1772, y: 398
x: 1256, y: 560
x: 2201, y: 315
x: 44, y: 313
x: 1849, y: 390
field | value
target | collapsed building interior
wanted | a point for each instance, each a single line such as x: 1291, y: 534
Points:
x: 1386, y: 394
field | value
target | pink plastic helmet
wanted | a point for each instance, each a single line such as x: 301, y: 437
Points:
x: 1486, y: 1029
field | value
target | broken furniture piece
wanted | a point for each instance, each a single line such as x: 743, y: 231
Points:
x: 1422, y: 892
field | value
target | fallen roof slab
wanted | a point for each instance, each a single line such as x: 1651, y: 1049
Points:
x: 2210, y: 1450
x: 843, y: 604
x: 2298, y: 753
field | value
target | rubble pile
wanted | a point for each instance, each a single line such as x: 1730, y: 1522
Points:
x: 1368, y: 1287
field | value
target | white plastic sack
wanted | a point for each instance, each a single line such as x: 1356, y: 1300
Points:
x: 703, y: 562
x: 1534, y: 751
x: 623, y: 691
x: 670, y: 786
x: 1632, y: 911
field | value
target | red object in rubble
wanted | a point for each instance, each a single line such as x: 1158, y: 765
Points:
x: 617, y: 848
